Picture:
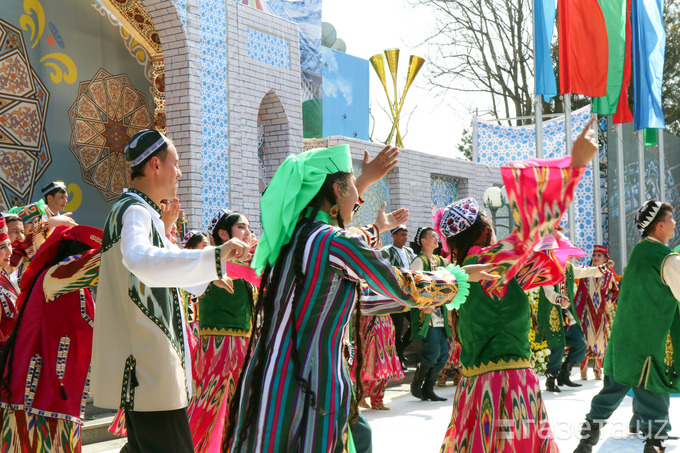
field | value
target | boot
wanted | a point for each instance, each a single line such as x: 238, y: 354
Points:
x: 418, y: 378
x: 590, y: 435
x: 654, y: 446
x: 550, y: 384
x: 428, y: 386
x: 564, y: 377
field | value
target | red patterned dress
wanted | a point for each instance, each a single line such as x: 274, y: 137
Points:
x: 381, y: 363
x: 595, y: 303
x: 498, y: 405
x: 49, y: 366
x: 8, y: 300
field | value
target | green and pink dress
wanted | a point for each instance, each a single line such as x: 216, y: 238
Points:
x: 498, y: 405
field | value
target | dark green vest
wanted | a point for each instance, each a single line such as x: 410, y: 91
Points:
x: 549, y: 316
x: 222, y: 313
x: 494, y: 334
x: 644, y: 346
x: 420, y: 322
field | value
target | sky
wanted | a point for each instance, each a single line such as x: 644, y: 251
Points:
x: 371, y: 26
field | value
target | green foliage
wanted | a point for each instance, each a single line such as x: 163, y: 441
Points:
x: 465, y: 144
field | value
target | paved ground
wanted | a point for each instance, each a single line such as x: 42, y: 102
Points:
x: 394, y: 430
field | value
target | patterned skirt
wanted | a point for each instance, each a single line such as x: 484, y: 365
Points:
x: 23, y: 432
x: 454, y: 355
x: 380, y: 357
x: 218, y: 365
x: 501, y: 412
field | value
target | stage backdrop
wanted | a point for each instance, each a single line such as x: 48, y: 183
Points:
x: 74, y: 86
x: 497, y: 145
x: 345, y: 95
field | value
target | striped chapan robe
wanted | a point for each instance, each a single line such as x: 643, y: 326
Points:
x: 335, y: 262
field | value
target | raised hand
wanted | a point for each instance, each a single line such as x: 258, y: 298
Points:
x: 170, y: 214
x: 585, y: 146
x: 373, y: 170
x: 385, y: 222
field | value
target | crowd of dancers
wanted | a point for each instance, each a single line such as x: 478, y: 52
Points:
x: 218, y: 341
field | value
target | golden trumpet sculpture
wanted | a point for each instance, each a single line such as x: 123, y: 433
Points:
x: 414, y: 65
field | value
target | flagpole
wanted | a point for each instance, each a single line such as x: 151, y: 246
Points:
x: 538, y: 108
x: 622, y: 196
x: 596, y: 187
x: 568, y: 146
x: 662, y: 166
x: 539, y: 127
x: 475, y: 143
x: 641, y: 165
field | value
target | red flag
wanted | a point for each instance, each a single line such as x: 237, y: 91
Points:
x: 583, y: 46
x: 623, y: 113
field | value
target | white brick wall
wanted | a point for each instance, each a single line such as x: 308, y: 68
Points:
x: 254, y: 88
x: 275, y: 93
x: 181, y: 51
x: 409, y: 181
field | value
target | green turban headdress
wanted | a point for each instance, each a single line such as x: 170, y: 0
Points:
x: 294, y: 185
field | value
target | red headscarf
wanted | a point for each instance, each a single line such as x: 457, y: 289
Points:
x: 48, y: 250
x: 4, y: 233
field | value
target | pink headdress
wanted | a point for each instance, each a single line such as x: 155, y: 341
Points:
x: 437, y: 217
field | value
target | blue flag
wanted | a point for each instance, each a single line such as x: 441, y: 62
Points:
x: 544, y: 23
x: 649, y: 45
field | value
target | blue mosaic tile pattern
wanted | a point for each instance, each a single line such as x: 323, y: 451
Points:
x: 444, y: 191
x: 181, y: 6
x: 374, y: 197
x: 215, y: 147
x: 268, y: 49
x: 500, y: 144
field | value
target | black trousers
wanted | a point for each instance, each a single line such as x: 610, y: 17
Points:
x: 401, y: 338
x: 155, y: 432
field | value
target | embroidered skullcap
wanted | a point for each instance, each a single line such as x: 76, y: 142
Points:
x: 143, y: 145
x: 213, y: 223
x: 419, y: 233
x: 601, y: 249
x: 398, y: 229
x: 188, y: 236
x: 646, y: 214
x: 296, y: 182
x: 437, y: 218
x: 29, y: 212
x: 458, y: 217
x: 4, y: 232
x: 54, y: 185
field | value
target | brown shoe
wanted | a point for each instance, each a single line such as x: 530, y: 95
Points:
x: 584, y: 375
x: 380, y: 407
x: 441, y: 382
x: 363, y: 404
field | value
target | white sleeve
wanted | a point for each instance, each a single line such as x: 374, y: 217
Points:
x: 588, y: 271
x: 417, y: 264
x: 164, y: 267
x: 670, y: 274
x: 551, y: 294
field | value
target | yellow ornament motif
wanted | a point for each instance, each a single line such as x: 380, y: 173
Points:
x: 555, y: 319
x: 58, y: 75
x: 26, y: 21
x: 668, y: 360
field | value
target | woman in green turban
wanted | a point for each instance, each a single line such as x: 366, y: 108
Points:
x: 295, y: 392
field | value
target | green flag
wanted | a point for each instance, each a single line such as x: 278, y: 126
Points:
x: 614, y: 12
x: 650, y: 137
